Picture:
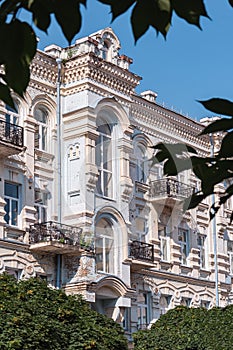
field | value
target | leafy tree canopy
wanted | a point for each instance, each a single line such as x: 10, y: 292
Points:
x: 189, y: 329
x: 33, y: 316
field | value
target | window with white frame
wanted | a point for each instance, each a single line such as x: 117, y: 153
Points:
x: 104, y: 246
x: 205, y: 304
x: 12, y: 115
x: 181, y: 177
x: 17, y: 273
x: 141, y: 163
x: 41, y: 116
x: 41, y: 205
x: 106, y: 50
x: 201, y: 243
x: 11, y: 197
x: 104, y: 160
x: 158, y: 172
x: 164, y: 303
x: 164, y: 237
x: 126, y: 319
x: 141, y: 223
x: 186, y: 301
x: 183, y: 241
x: 230, y: 254
x: 228, y: 204
x: 143, y: 310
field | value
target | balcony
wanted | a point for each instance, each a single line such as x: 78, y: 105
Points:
x: 11, y: 139
x: 169, y: 189
x: 57, y: 238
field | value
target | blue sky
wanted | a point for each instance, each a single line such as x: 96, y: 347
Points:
x: 190, y: 65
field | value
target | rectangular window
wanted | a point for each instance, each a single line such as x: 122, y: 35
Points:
x: 164, y: 303
x: 205, y: 304
x: 126, y: 320
x: 230, y: 254
x: 141, y: 224
x: 164, y: 243
x: 186, y: 301
x: 41, y: 205
x: 17, y: 273
x: 201, y: 241
x: 104, y: 161
x: 143, y: 312
x: 104, y: 254
x: 183, y: 241
x: 11, y: 196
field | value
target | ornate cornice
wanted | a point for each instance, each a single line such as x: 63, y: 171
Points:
x: 43, y: 73
x: 168, y: 125
x: 89, y: 66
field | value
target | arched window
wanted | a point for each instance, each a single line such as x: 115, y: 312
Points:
x: 41, y: 116
x: 105, y: 51
x: 104, y: 246
x: 104, y: 156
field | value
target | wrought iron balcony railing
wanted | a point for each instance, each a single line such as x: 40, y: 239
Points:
x: 171, y: 188
x: 141, y: 251
x: 11, y: 133
x: 52, y: 231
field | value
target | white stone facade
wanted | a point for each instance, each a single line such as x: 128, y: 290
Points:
x: 123, y: 241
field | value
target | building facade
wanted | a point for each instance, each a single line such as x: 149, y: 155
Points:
x: 82, y: 206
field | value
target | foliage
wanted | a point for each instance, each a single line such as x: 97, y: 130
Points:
x: 189, y: 329
x: 34, y: 317
x: 210, y: 170
x: 19, y: 40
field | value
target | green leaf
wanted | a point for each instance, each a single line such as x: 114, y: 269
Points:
x: 161, y: 19
x: 190, y: 10
x: 218, y: 125
x: 219, y: 106
x: 21, y: 43
x: 5, y: 95
x: 17, y: 76
x: 67, y: 13
x: 213, y: 210
x: 139, y: 20
x: 175, y: 148
x: 193, y: 201
x: 19, y: 50
x: 41, y: 10
x: 226, y: 150
x: 231, y: 2
x: 118, y: 7
x: 231, y: 218
x: 155, y: 13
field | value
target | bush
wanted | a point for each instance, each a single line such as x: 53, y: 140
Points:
x: 35, y: 317
x: 189, y: 329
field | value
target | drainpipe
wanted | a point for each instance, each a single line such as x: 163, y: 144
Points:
x: 214, y: 232
x: 59, y: 182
